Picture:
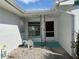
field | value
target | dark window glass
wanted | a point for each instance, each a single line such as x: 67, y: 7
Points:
x: 50, y: 29
x: 49, y: 26
x: 34, y: 29
x: 50, y: 34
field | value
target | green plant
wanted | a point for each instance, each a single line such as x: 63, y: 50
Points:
x: 77, y: 45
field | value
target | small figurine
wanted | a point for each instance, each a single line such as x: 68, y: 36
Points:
x: 3, y: 52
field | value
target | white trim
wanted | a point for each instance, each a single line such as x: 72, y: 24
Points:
x: 13, y: 6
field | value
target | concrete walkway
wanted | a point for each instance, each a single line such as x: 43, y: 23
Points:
x: 38, y: 53
x: 61, y: 51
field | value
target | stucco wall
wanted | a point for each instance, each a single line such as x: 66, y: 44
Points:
x: 77, y: 23
x: 10, y: 37
x: 9, y: 18
x: 9, y: 30
x: 65, y: 31
x: 76, y: 20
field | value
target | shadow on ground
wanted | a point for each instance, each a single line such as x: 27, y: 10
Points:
x: 38, y: 53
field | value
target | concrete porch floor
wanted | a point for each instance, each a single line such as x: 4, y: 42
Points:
x: 38, y: 53
x: 52, y: 44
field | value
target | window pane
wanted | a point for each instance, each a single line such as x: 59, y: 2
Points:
x: 34, y: 23
x: 50, y: 34
x: 34, y: 28
x: 50, y: 29
x: 50, y: 26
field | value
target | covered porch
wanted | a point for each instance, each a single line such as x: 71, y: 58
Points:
x: 52, y: 29
x: 58, y: 33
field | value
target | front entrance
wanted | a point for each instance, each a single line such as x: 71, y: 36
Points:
x: 49, y: 31
x: 37, y: 30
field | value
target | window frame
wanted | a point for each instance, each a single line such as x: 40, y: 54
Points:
x: 50, y: 31
x: 35, y: 30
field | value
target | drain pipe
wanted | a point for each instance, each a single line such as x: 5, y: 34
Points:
x: 41, y: 28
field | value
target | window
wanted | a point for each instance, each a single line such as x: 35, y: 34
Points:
x: 34, y: 29
x: 50, y: 29
x: 76, y: 2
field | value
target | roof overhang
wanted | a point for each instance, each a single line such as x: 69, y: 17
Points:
x: 11, y: 6
x: 69, y: 2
